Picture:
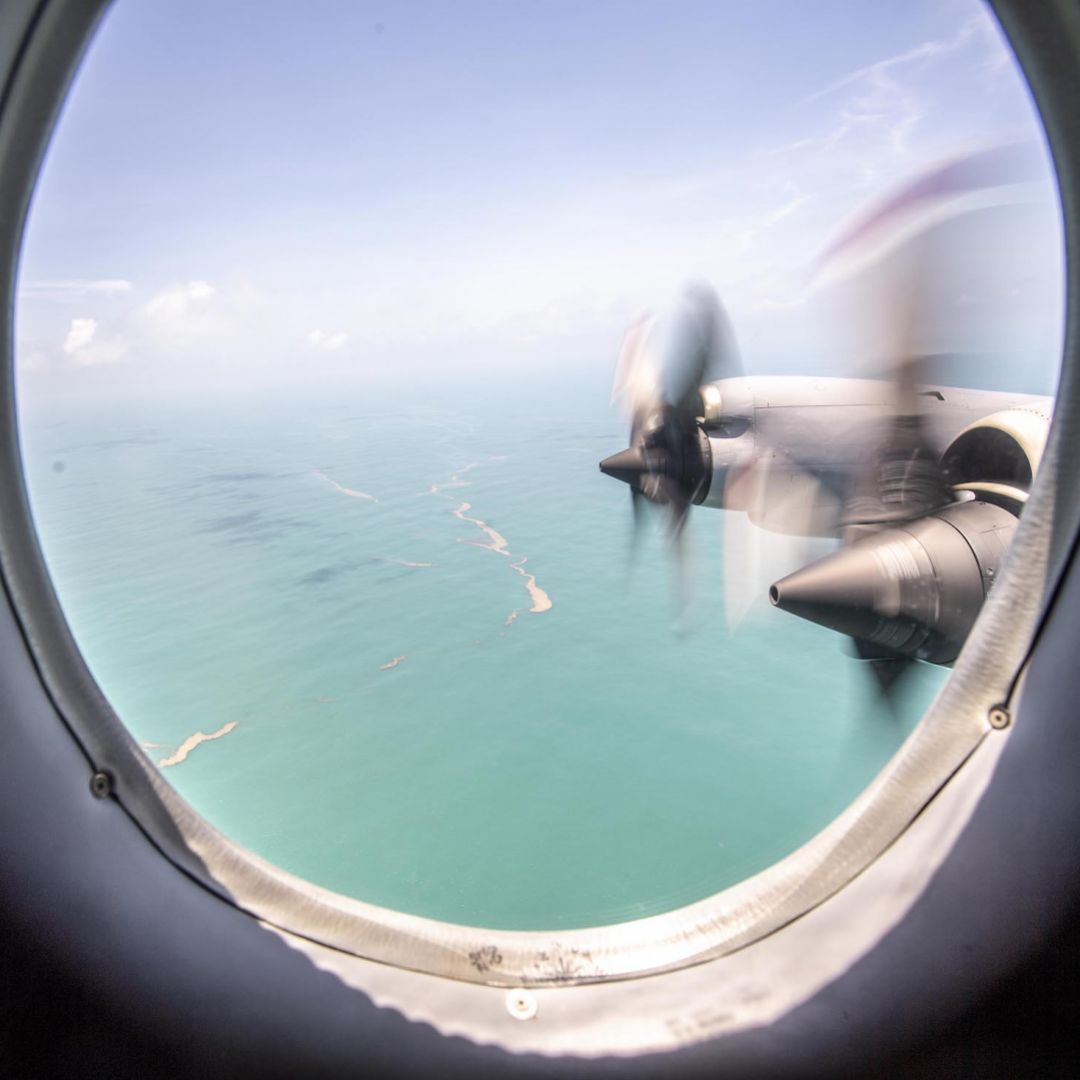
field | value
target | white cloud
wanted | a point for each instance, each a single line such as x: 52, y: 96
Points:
x: 178, y: 301
x: 979, y: 27
x: 79, y: 335
x: 179, y: 322
x: 74, y: 288
x: 84, y: 347
x: 880, y: 106
x: 327, y: 342
x: 189, y: 318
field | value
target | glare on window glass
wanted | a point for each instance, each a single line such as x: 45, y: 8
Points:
x: 326, y: 317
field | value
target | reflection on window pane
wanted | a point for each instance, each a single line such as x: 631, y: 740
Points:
x: 317, y: 335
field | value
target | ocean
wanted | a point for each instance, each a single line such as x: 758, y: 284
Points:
x: 390, y: 638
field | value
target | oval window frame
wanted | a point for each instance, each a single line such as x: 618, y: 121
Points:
x: 956, y: 738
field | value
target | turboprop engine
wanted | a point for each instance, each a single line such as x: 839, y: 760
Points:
x: 913, y: 588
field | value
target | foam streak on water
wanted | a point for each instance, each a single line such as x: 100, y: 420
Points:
x: 498, y: 543
x: 192, y: 741
x: 352, y: 492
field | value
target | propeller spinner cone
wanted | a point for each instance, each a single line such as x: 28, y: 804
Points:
x: 628, y: 465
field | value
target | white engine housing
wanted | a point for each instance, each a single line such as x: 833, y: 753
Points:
x: 997, y: 456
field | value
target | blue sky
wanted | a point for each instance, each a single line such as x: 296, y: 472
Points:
x: 270, y: 191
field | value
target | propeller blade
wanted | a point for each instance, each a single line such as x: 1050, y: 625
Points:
x: 886, y: 668
x: 696, y: 344
x: 919, y: 202
x: 678, y: 509
x: 889, y: 677
x: 637, y: 507
x: 636, y: 386
x: 904, y: 482
x: 663, y: 362
x: 903, y: 478
x: 773, y: 512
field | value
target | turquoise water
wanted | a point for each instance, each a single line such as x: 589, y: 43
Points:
x: 401, y: 727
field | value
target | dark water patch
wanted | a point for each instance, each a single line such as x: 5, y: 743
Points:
x: 390, y: 577
x: 259, y: 529
x: 254, y: 525
x: 110, y: 444
x: 257, y: 536
x: 323, y: 575
x: 319, y: 577
x: 190, y: 487
x: 180, y: 490
x: 230, y: 522
x: 232, y: 479
x: 198, y: 487
x: 237, y: 477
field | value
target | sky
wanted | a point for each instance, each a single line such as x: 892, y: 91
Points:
x: 261, y: 193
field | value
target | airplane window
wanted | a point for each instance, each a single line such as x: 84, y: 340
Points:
x: 325, y: 323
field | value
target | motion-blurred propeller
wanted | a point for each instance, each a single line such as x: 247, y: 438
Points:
x: 662, y: 365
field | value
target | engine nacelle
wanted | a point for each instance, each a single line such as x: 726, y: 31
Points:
x: 914, y: 590
x: 997, y: 456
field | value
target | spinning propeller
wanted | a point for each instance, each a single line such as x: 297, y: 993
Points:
x: 662, y: 365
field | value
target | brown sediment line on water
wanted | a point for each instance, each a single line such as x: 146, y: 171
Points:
x: 192, y: 741
x: 351, y: 492
x: 391, y: 663
x: 455, y: 481
x: 495, y: 542
x: 498, y: 543
x: 541, y: 600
